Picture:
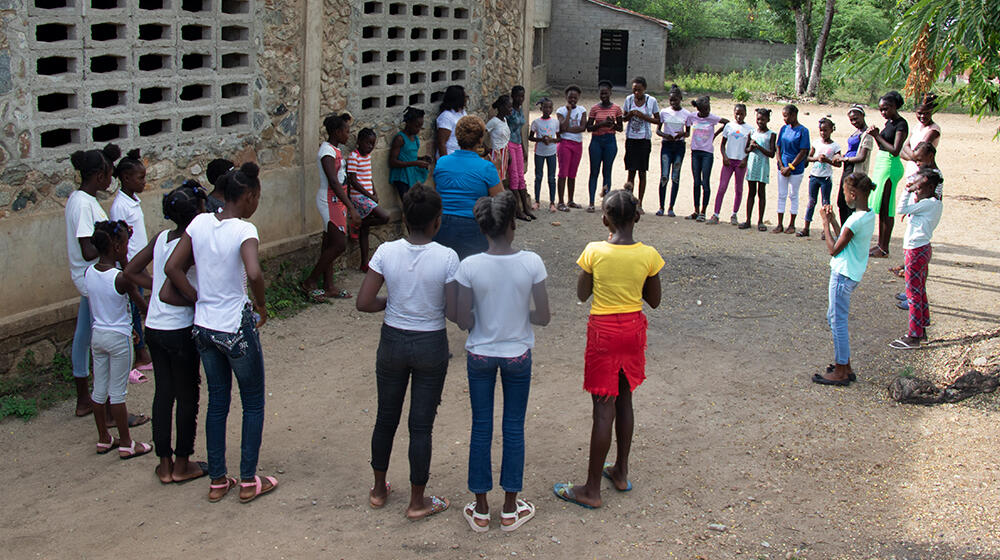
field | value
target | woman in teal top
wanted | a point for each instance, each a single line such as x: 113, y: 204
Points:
x: 406, y: 168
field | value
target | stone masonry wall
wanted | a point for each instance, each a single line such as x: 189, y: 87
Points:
x: 726, y: 55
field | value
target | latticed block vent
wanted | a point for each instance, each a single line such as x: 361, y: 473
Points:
x: 410, y: 52
x: 143, y: 73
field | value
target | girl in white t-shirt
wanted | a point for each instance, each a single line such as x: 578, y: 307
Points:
x: 499, y: 135
x: 823, y: 156
x: 82, y: 211
x: 419, y: 276
x: 572, y: 123
x: 495, y: 293
x: 169, y: 322
x: 109, y: 291
x: 452, y: 109
x: 224, y: 248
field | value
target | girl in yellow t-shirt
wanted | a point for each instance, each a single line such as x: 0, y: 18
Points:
x: 620, y: 273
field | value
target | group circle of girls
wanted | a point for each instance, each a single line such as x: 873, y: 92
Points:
x: 191, y: 317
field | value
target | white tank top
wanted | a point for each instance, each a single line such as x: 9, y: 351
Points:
x: 109, y: 308
x: 163, y: 316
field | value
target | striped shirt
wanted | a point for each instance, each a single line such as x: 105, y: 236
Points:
x: 361, y: 166
x: 599, y: 113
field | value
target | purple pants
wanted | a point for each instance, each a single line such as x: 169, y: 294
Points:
x: 728, y: 171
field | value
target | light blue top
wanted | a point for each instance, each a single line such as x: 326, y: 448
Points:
x: 462, y: 178
x: 852, y: 260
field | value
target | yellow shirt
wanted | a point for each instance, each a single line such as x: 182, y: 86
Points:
x: 619, y: 273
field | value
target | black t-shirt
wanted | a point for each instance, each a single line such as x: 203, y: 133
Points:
x: 888, y: 133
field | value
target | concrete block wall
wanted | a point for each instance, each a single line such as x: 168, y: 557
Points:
x: 726, y: 55
x: 575, y: 39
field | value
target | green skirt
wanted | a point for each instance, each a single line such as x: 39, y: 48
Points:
x: 887, y: 169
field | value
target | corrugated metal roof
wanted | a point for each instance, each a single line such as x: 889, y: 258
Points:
x: 660, y: 22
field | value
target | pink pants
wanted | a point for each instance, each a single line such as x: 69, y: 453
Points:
x: 727, y: 172
x: 568, y: 154
x: 516, y: 173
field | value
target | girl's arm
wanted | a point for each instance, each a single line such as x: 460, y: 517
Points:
x: 531, y: 135
x: 394, y: 148
x: 540, y: 315
x: 802, y: 155
x: 722, y: 149
x: 651, y: 119
x: 836, y: 239
x: 835, y: 161
x: 774, y: 144
x: 592, y: 124
x: 441, y: 141
x: 722, y: 126
x: 563, y: 122
x: 578, y: 128
x: 172, y: 296
x: 661, y: 134
x: 176, y: 269
x: 87, y: 249
x: 862, y: 155
x: 463, y: 310
x: 135, y: 270
x: 618, y: 124
x: 812, y: 154
x: 451, y: 301
x: 584, y: 285
x: 123, y: 286
x: 255, y: 278
x: 652, y: 291
x: 368, y: 299
x: 496, y: 189
x: 331, y: 166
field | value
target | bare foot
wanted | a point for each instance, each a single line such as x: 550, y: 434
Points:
x: 84, y: 408
x: 778, y: 229
x: 164, y: 470
x: 376, y: 498
x: 430, y: 506
x: 193, y: 470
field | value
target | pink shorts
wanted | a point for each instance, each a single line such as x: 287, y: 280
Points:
x: 568, y: 154
x: 616, y: 345
x: 516, y: 168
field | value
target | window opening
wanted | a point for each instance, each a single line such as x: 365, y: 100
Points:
x: 154, y: 127
x: 153, y: 95
x: 108, y: 132
x: 53, y: 32
x: 58, y: 137
x: 194, y: 122
x: 195, y: 91
x: 107, y: 98
x: 56, y: 102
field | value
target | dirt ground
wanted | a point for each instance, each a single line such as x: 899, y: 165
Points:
x: 730, y: 430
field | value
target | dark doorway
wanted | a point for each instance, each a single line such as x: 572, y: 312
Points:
x: 613, y: 63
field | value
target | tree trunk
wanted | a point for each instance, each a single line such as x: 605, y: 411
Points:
x: 801, y: 43
x: 817, y: 62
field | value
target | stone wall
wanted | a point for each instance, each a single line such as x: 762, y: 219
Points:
x: 726, y: 55
x: 575, y: 34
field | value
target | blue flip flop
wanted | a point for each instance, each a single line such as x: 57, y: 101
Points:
x: 564, y: 491
x: 607, y: 475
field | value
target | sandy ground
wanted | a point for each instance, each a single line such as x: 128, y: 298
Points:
x: 729, y: 428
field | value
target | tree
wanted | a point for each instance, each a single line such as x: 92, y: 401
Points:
x: 801, y: 13
x: 817, y: 62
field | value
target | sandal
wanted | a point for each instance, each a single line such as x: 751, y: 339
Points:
x: 877, y: 252
x: 388, y: 491
x: 761, y: 227
x: 145, y: 367
x: 342, y: 294
x: 229, y: 484
x: 552, y: 208
x: 258, y: 488
x: 105, y: 448
x: 659, y: 212
x: 534, y: 205
x: 900, y: 344
x: 471, y: 515
x: 818, y: 378
x: 131, y: 452
x: 693, y: 216
x: 564, y: 491
x: 562, y: 207
x: 438, y: 505
x: 607, y: 474
x: 802, y: 233
x: 136, y: 377
x: 317, y: 296
x: 572, y: 204
x: 134, y: 420
x: 519, y: 519
x: 778, y: 229
x: 590, y: 209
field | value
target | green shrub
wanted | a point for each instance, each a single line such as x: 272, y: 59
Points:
x: 16, y: 405
x: 741, y: 95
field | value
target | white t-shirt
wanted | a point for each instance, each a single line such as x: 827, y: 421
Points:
x: 673, y: 122
x: 328, y: 149
x: 499, y: 133
x: 108, y: 307
x: 447, y: 120
x: 924, y: 216
x: 222, y: 278
x: 542, y: 128
x: 129, y: 209
x: 163, y: 316
x: 638, y: 129
x: 415, y: 276
x: 736, y: 136
x: 501, y: 287
x: 824, y: 169
x: 82, y: 210
x: 575, y: 119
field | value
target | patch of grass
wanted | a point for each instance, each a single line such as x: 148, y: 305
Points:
x: 32, y: 387
x: 284, y: 297
x: 906, y: 372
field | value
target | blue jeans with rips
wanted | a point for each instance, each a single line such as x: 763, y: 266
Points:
x: 671, y: 157
x: 224, y: 355
x: 701, y: 168
x: 515, y: 376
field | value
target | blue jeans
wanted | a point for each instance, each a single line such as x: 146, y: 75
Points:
x: 81, y: 339
x: 462, y: 235
x: 137, y: 324
x: 818, y: 186
x: 223, y: 355
x: 841, y: 288
x: 701, y: 168
x: 540, y: 163
x: 603, y: 149
x: 515, y: 375
x: 671, y: 157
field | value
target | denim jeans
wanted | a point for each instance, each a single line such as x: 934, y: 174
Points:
x: 224, y: 355
x: 818, y: 186
x: 603, y: 149
x: 137, y: 324
x: 841, y: 288
x: 402, y: 355
x: 541, y: 162
x: 701, y: 168
x: 81, y: 339
x: 462, y: 235
x: 671, y: 157
x: 515, y: 376
x: 177, y: 374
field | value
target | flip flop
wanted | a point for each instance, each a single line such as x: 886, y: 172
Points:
x: 438, y: 505
x: 820, y: 380
x: 901, y: 296
x: 388, y: 492
x: 573, y: 205
x: 562, y: 208
x: 230, y: 483
x: 204, y: 472
x: 317, y: 295
x: 258, y: 488
x: 607, y: 475
x: 761, y: 227
x: 564, y: 491
x: 519, y: 519
x: 900, y: 344
x: 474, y: 516
x: 590, y: 209
x: 136, y: 377
x: 342, y: 294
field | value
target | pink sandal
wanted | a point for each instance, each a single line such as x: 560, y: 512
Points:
x: 257, y: 487
x: 105, y: 448
x: 229, y: 484
x: 131, y: 452
x: 136, y: 377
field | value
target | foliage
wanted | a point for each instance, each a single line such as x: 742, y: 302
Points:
x: 747, y: 19
x: 858, y: 24
x: 16, y: 405
x: 32, y: 386
x: 284, y: 296
x: 741, y: 95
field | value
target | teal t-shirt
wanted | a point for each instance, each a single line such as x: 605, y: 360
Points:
x: 852, y: 260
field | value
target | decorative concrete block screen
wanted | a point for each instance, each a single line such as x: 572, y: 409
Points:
x: 146, y: 73
x: 410, y: 52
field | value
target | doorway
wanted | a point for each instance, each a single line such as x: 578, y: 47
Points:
x: 613, y: 64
